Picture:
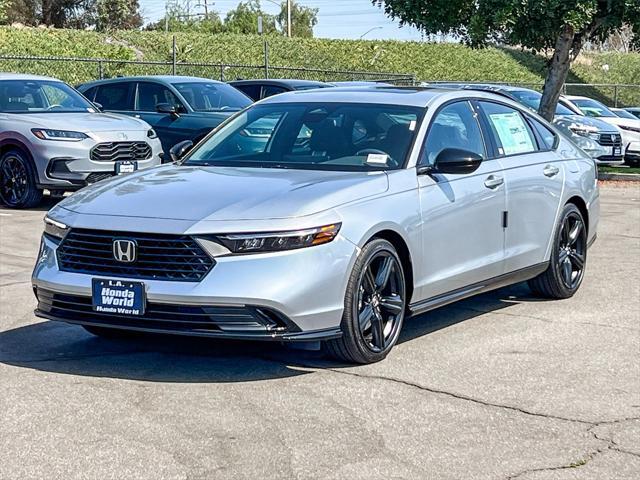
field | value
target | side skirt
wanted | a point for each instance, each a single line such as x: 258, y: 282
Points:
x: 477, y: 288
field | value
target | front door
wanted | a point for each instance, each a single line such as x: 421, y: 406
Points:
x: 463, y: 235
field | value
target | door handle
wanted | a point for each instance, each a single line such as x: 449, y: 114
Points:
x: 493, y: 181
x: 550, y: 171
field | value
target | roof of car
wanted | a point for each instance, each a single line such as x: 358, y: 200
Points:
x: 481, y: 86
x: 21, y: 76
x: 290, y: 82
x: 159, y: 78
x: 410, y: 96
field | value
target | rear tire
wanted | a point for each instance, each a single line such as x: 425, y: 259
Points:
x: 374, y: 306
x: 568, y: 258
x: 18, y: 185
x: 110, y: 333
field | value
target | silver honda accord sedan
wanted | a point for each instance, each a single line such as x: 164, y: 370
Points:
x: 326, y: 216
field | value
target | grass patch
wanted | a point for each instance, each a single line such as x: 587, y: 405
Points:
x: 609, y: 169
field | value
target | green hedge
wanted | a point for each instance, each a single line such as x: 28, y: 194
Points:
x: 427, y: 61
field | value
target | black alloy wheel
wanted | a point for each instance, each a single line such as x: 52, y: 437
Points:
x: 568, y: 259
x: 17, y: 181
x: 375, y: 305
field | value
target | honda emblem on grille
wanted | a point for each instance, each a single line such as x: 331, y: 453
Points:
x: 125, y: 251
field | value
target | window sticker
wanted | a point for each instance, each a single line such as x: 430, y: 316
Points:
x: 512, y: 132
x: 377, y: 159
x: 412, y: 125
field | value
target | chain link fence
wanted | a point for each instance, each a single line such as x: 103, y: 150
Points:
x: 79, y: 70
x: 613, y: 95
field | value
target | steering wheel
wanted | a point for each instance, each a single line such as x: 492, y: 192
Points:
x: 375, y: 151
x: 51, y: 107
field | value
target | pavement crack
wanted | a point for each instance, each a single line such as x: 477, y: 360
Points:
x: 577, y: 464
x: 459, y: 396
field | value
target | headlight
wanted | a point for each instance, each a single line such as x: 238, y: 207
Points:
x: 151, y: 133
x: 54, y: 228
x: 278, y: 241
x: 63, y: 135
x: 585, y: 132
x: 630, y: 129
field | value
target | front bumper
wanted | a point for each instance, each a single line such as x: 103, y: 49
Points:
x: 67, y: 166
x: 300, y: 292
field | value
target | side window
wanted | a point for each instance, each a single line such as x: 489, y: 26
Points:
x: 511, y: 132
x: 546, y: 135
x: 269, y: 90
x: 91, y: 93
x: 252, y: 91
x: 455, y: 126
x: 114, y: 96
x: 151, y: 94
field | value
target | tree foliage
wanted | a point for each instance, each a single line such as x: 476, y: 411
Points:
x: 244, y: 19
x: 303, y: 19
x: 560, y: 26
x: 118, y: 15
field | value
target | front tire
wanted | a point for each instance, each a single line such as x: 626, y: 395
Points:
x: 374, y: 306
x: 568, y: 258
x: 18, y: 186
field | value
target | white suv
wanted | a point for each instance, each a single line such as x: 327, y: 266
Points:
x: 52, y: 137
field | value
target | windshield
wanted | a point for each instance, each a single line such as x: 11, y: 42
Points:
x: 40, y: 96
x: 332, y: 136
x: 209, y: 96
x: 532, y: 100
x: 592, y: 108
x: 624, y: 114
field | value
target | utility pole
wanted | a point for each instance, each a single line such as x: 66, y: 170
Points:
x: 289, y: 18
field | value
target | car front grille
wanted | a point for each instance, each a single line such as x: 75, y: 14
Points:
x: 98, y: 176
x: 167, y: 317
x: 610, y: 139
x: 112, y: 151
x: 159, y: 256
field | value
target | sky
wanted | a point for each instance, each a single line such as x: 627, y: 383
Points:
x: 336, y: 18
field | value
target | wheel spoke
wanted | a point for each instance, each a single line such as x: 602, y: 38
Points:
x: 574, y: 233
x: 364, y: 317
x: 368, y: 281
x: 577, y: 260
x: 562, y: 256
x: 384, y: 272
x: 392, y: 304
x: 377, y: 330
x: 567, y: 271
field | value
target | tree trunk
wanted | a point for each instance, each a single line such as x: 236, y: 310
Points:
x: 557, y: 74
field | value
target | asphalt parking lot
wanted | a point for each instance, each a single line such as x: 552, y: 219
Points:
x: 501, y: 386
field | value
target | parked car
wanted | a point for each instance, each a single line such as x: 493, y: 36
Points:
x: 635, y: 111
x: 178, y: 108
x: 263, y: 88
x: 52, y: 138
x: 622, y: 113
x: 630, y: 128
x: 397, y: 202
x: 600, y: 139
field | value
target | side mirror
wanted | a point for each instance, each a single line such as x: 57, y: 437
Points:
x: 167, y: 108
x: 180, y: 149
x: 454, y: 161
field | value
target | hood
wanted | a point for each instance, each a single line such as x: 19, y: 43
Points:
x: 581, y: 120
x: 86, y: 122
x: 622, y: 122
x: 223, y: 193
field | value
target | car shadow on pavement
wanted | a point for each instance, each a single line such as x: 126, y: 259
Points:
x: 68, y: 349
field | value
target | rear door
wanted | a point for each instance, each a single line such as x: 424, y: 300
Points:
x: 534, y: 179
x: 463, y: 237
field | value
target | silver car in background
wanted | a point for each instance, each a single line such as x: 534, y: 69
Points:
x: 52, y: 137
x: 353, y: 209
